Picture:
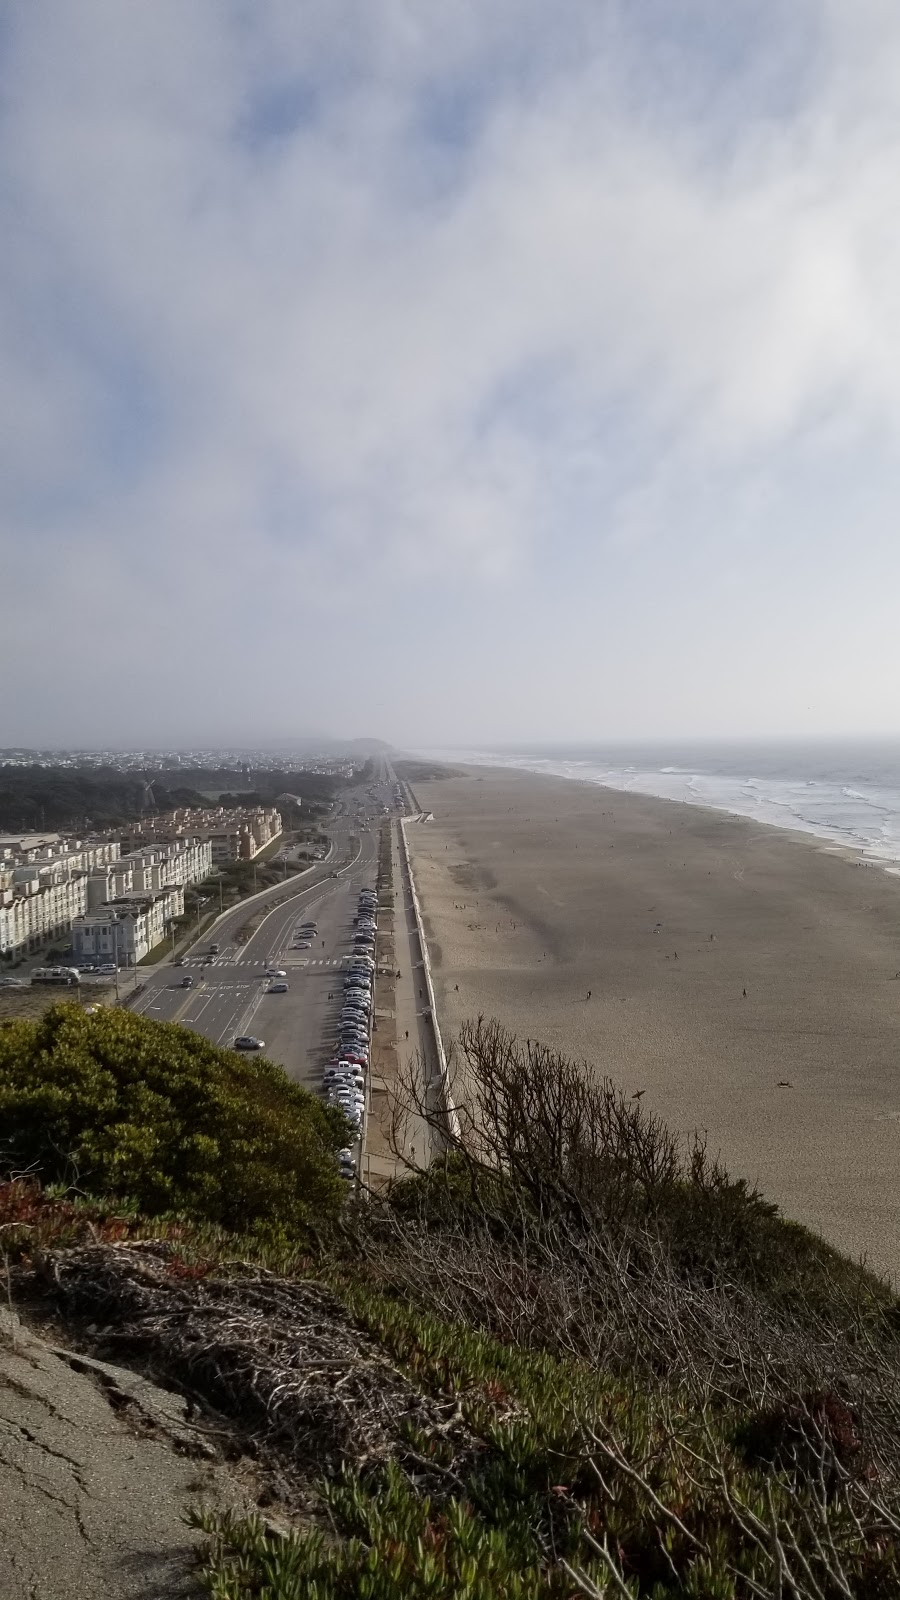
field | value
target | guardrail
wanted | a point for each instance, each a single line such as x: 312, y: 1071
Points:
x: 450, y: 1110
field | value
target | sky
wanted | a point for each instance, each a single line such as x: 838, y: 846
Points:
x: 448, y: 374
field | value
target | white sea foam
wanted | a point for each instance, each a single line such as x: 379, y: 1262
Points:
x: 861, y: 816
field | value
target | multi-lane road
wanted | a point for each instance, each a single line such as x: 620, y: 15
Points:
x: 229, y: 995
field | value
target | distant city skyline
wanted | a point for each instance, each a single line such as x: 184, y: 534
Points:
x: 456, y: 375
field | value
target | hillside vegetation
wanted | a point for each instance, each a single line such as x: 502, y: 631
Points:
x: 151, y: 1113
x: 573, y: 1358
x: 59, y: 799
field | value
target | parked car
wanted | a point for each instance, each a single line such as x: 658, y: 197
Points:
x: 346, y: 1100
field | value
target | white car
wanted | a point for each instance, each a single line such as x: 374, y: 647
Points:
x: 344, y: 1094
x: 275, y: 972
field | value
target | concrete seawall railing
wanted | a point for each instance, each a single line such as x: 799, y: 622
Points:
x: 449, y: 1108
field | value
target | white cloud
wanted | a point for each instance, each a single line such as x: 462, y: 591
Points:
x: 351, y: 306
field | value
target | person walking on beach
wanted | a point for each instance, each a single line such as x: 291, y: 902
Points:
x: 588, y: 994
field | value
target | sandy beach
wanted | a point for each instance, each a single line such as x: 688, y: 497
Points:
x: 723, y: 959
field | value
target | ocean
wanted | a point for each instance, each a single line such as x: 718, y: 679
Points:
x: 848, y: 793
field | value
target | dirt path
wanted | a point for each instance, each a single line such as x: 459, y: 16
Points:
x: 97, y: 1468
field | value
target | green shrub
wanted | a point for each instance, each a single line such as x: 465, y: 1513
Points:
x: 151, y: 1112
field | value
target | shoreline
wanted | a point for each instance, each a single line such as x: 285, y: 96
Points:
x: 832, y: 835
x: 739, y: 974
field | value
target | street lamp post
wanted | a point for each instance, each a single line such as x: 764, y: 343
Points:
x: 115, y: 932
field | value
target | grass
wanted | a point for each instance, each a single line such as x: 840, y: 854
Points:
x: 31, y: 1002
x: 158, y: 953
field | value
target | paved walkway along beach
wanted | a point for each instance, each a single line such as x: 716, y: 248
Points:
x: 745, y: 977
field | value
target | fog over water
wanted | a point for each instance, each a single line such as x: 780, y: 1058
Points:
x: 848, y: 793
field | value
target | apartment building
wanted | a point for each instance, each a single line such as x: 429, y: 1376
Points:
x: 47, y: 885
x: 35, y: 912
x: 181, y: 861
x: 127, y: 928
x: 237, y: 834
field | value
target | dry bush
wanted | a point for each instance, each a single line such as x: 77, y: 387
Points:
x: 281, y: 1358
x: 567, y: 1218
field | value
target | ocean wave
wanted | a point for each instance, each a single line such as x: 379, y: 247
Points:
x: 864, y: 819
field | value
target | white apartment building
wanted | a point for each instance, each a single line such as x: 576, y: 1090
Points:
x: 48, y: 852
x: 234, y: 835
x: 45, y: 887
x: 34, y: 912
x: 127, y: 928
x: 182, y: 861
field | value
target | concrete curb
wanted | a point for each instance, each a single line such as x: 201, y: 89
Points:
x: 449, y: 1108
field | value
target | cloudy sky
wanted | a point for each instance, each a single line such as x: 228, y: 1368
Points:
x: 449, y: 373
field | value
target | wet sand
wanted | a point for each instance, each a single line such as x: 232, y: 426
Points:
x: 537, y: 889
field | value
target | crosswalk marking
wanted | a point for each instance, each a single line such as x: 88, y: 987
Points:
x: 250, y: 961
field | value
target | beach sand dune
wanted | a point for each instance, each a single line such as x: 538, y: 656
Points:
x: 745, y: 977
